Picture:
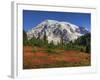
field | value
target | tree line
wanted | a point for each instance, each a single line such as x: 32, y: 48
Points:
x: 83, y: 43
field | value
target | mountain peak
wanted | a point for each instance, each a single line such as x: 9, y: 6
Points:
x: 56, y: 31
x: 50, y: 20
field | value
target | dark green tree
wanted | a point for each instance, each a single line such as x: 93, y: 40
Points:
x: 24, y: 35
x: 38, y: 36
x: 85, y: 41
x: 44, y: 37
x: 25, y: 41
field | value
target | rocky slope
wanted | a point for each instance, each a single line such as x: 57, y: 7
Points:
x: 56, y: 31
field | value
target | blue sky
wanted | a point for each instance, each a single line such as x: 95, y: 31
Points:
x: 32, y: 18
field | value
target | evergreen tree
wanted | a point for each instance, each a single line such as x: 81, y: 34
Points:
x: 25, y: 41
x: 38, y: 36
x: 85, y: 41
x: 61, y: 41
x: 44, y: 37
x: 24, y: 35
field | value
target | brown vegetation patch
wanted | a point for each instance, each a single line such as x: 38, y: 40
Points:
x: 41, y: 59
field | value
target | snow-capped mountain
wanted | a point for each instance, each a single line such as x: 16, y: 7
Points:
x: 56, y: 31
